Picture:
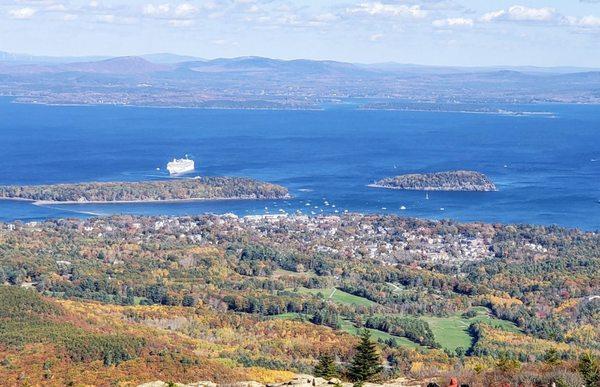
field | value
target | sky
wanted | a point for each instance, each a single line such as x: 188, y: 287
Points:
x: 434, y: 32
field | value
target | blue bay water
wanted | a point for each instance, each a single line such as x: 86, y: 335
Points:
x: 543, y: 165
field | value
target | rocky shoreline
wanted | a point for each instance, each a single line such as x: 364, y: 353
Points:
x: 439, y: 181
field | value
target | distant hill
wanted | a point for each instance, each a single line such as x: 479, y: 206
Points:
x: 35, y: 59
x: 121, y: 65
x: 268, y: 65
x: 588, y: 76
x: 166, y: 58
x: 160, y: 58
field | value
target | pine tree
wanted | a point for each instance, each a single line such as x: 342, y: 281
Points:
x: 552, y: 356
x: 589, y: 367
x: 366, y: 364
x: 326, y: 367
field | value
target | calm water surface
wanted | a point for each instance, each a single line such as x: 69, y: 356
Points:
x: 547, y: 167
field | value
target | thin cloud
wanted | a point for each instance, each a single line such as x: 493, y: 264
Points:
x: 180, y: 23
x: 521, y: 13
x: 589, y: 21
x: 185, y: 10
x: 383, y: 9
x: 454, y: 22
x: 22, y: 13
x: 114, y: 19
x: 156, y: 10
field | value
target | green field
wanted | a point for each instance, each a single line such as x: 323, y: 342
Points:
x: 338, y: 296
x: 347, y: 326
x: 291, y: 316
x: 452, y: 332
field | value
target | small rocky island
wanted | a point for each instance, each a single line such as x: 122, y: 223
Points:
x: 202, y: 188
x: 439, y: 181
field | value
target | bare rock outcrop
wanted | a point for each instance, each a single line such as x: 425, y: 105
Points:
x: 299, y: 380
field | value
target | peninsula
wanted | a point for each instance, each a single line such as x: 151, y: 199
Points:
x: 202, y: 188
x: 439, y: 181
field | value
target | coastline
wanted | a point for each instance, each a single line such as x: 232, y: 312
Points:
x: 166, y: 106
x: 14, y: 99
x: 507, y: 113
x: 429, y: 189
x: 70, y: 202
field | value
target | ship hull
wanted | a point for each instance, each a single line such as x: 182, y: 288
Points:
x: 178, y: 167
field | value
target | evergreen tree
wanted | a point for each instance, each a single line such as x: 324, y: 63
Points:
x: 188, y: 300
x: 326, y: 316
x: 326, y: 367
x: 508, y: 364
x: 589, y: 367
x: 129, y: 298
x: 552, y: 356
x: 366, y: 364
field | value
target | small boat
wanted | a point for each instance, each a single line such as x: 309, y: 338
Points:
x: 426, y: 195
x: 402, y: 208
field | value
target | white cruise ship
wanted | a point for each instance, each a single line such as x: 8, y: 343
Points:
x: 179, y: 166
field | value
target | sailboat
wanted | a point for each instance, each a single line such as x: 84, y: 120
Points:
x: 426, y: 195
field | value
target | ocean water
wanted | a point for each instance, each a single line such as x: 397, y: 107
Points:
x: 546, y: 166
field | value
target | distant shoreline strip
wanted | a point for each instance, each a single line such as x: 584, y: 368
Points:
x: 54, y: 202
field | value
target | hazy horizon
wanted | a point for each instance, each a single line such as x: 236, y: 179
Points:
x: 20, y: 56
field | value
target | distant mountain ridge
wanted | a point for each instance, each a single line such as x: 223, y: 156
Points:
x: 39, y: 59
x: 246, y: 62
x: 253, y: 65
x: 253, y: 82
x: 118, y: 65
x: 168, y: 58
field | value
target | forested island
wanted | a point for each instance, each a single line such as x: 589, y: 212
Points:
x: 439, y: 181
x: 201, y: 188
